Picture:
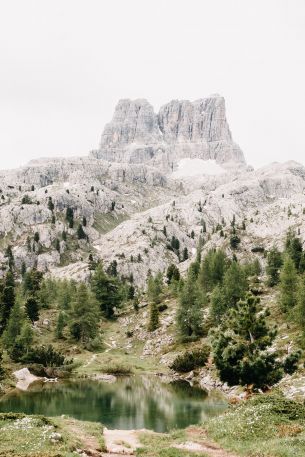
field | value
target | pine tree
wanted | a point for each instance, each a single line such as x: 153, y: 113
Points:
x: 7, y: 300
x: 14, y: 326
x: 234, y: 284
x: 9, y: 255
x: 274, y: 263
x: 84, y: 221
x: 190, y: 311
x: 301, y: 303
x: 154, y: 288
x: 218, y: 304
x: 32, y: 309
x: 288, y: 284
x: 2, y: 371
x: 107, y: 291
x: 60, y: 325
x: 84, y: 316
x: 240, y: 347
x: 25, y: 339
x: 172, y: 274
x: 70, y: 216
x: 293, y: 248
x: 153, y: 322
x: 50, y: 204
x: 81, y: 235
x: 185, y: 254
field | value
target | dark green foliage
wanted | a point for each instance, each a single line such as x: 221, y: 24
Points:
x: 84, y: 221
x: 70, y: 216
x: 153, y: 322
x: 2, y: 371
x: 154, y: 288
x: 190, y: 360
x: 172, y: 274
x: 185, y: 254
x: 293, y: 248
x: 26, y: 200
x: 218, y: 305
x: 290, y: 364
x: 234, y: 284
x: 301, y: 304
x: 9, y: 255
x: 84, y: 315
x: 112, y: 269
x: 234, y: 241
x: 32, y: 309
x: 23, y: 269
x: 288, y: 285
x: 240, y: 347
x: 107, y: 291
x: 50, y: 204
x: 7, y: 299
x: 60, y: 325
x: 175, y: 243
x: 274, y: 263
x: 14, y: 326
x: 190, y: 311
x: 212, y: 269
x: 64, y: 235
x: 32, y: 282
x: 81, y: 235
x: 57, y: 245
x: 112, y: 206
x: 46, y: 356
x: 36, y: 237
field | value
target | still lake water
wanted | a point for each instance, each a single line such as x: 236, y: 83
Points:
x: 130, y: 403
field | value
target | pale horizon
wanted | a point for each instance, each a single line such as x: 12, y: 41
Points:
x: 66, y: 64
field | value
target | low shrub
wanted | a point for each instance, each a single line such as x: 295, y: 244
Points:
x: 190, y: 360
x: 117, y: 370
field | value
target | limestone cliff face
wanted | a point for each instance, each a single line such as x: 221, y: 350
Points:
x: 181, y: 129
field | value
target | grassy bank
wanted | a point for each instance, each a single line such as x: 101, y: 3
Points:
x: 38, y: 436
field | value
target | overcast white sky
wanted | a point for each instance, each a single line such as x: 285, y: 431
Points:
x: 65, y: 63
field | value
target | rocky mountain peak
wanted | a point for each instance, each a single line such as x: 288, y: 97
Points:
x: 181, y: 129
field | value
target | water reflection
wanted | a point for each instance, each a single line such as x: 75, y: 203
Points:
x: 130, y: 403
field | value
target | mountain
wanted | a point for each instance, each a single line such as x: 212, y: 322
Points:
x: 155, y: 178
x: 181, y: 129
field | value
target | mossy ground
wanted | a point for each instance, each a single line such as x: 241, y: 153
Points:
x: 22, y: 435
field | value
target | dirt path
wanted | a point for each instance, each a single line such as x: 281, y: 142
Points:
x: 90, y: 443
x: 125, y: 442
x: 120, y: 442
x: 198, y: 442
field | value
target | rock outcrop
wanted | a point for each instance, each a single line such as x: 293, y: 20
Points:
x: 181, y: 129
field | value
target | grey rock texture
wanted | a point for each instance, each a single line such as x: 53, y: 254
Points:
x: 181, y: 129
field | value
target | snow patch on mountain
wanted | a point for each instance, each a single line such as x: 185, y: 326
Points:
x: 195, y: 167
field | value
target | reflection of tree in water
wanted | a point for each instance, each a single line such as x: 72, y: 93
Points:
x: 135, y: 402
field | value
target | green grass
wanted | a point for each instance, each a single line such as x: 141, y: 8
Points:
x: 22, y: 435
x: 264, y: 426
x: 161, y: 445
x: 105, y: 222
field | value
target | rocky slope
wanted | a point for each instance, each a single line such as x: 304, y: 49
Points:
x: 132, y: 203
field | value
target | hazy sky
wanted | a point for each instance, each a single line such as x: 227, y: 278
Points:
x: 65, y: 63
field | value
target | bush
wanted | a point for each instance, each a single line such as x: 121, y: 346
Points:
x: 162, y: 307
x: 190, y: 360
x: 290, y: 364
x: 117, y: 370
x: 46, y: 356
x: 258, y: 249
